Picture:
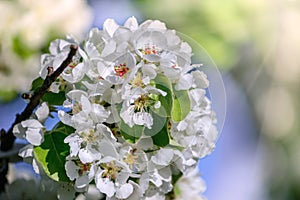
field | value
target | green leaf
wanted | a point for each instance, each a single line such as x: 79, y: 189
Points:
x: 54, y: 98
x: 131, y: 134
x: 36, y: 84
x: 181, y: 105
x: 159, y: 131
x: 51, y: 155
x: 60, y: 127
x: 164, y: 84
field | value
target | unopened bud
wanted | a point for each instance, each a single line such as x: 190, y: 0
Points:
x: 26, y: 96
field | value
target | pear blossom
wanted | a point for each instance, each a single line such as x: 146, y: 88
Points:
x: 83, y: 173
x: 59, y: 50
x: 190, y: 186
x: 85, y: 113
x: 111, y: 178
x: 32, y: 129
x: 87, y: 144
x: 135, y: 109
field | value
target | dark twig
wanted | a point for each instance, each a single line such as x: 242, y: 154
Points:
x: 8, y: 138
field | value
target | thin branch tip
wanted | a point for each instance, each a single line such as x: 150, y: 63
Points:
x: 74, y: 46
x: 7, y: 137
x: 50, y: 70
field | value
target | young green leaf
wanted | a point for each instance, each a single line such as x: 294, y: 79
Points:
x: 159, y: 131
x: 164, y: 84
x: 60, y: 127
x: 181, y: 105
x: 131, y: 134
x: 51, y: 155
x: 36, y: 84
x: 54, y: 98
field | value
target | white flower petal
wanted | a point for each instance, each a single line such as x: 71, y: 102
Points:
x: 163, y: 157
x: 35, y: 166
x: 54, y: 87
x: 86, y: 104
x: 99, y: 114
x: 76, y: 94
x: 19, y: 131
x: 149, y: 70
x: 104, y: 130
x: 65, y: 118
x: 109, y: 48
x: 124, y: 191
x: 165, y: 174
x: 122, y: 177
x: 88, y: 155
x: 107, y: 149
x: 76, y: 74
x: 200, y: 79
x: 182, y: 125
x: 137, y: 191
x: 131, y: 23
x: 144, y: 181
x: 105, y: 186
x: 26, y: 151
x: 185, y: 82
x: 34, y: 136
x: 126, y: 114
x: 143, y: 118
x: 82, y: 181
x: 71, y: 170
x: 32, y: 123
x: 155, y: 179
x: 110, y: 26
x: 42, y: 112
x: 145, y: 142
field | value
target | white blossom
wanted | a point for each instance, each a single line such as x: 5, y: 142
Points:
x: 32, y: 129
x: 190, y: 186
x: 82, y: 173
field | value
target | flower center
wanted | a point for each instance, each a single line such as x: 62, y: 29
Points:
x: 150, y: 49
x: 130, y: 159
x: 121, y: 70
x: 83, y: 167
x: 141, y: 102
x: 138, y: 81
x: 89, y: 137
x: 77, y: 107
x: 110, y: 170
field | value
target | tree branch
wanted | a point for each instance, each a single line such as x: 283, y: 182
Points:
x: 8, y: 138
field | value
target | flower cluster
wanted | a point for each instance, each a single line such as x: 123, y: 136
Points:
x: 133, y: 117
